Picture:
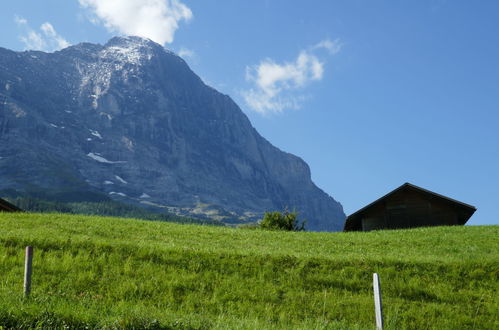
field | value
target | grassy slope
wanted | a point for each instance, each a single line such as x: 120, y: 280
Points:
x: 109, y: 272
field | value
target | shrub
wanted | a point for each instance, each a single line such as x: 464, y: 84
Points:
x: 282, y: 221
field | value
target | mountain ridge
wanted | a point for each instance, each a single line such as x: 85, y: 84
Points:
x: 131, y: 119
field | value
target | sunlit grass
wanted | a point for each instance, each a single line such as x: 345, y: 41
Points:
x: 123, y: 273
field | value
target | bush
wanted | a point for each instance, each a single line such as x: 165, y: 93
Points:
x: 282, y: 221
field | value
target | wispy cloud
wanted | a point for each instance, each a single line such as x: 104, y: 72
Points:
x: 275, y: 85
x: 333, y: 47
x: 46, y: 39
x: 20, y: 20
x: 186, y: 53
x: 50, y: 33
x: 154, y: 19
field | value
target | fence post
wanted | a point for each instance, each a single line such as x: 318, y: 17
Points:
x: 28, y: 262
x: 378, y: 307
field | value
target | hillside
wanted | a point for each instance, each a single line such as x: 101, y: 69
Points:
x: 131, y: 120
x: 108, y: 208
x: 111, y: 272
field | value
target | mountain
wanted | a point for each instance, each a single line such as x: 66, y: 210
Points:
x: 131, y: 120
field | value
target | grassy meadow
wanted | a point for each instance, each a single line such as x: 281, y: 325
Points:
x: 97, y: 272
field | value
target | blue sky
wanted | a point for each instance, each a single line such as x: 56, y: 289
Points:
x: 371, y: 94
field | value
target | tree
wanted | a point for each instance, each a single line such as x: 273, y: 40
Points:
x: 282, y: 221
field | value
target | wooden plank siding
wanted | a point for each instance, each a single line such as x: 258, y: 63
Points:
x: 409, y: 206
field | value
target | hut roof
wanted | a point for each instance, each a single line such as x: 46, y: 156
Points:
x: 8, y: 207
x: 354, y: 219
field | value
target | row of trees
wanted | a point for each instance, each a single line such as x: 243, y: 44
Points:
x: 285, y: 220
x: 103, y: 208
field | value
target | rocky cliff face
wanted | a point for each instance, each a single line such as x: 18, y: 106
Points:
x: 130, y: 119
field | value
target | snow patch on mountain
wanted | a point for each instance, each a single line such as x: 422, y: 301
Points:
x: 101, y: 159
x: 117, y: 193
x: 95, y: 133
x: 120, y: 179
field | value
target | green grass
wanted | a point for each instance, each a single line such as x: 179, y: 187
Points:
x: 100, y: 272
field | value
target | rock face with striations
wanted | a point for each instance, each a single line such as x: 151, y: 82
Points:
x: 131, y: 120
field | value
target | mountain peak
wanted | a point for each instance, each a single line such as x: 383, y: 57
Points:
x: 132, y: 49
x: 131, y: 41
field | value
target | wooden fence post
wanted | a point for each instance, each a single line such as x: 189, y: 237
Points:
x: 378, y: 307
x: 28, y: 262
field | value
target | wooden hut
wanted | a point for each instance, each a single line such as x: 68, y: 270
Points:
x: 8, y: 207
x: 409, y: 206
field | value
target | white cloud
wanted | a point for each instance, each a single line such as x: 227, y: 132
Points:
x: 33, y: 40
x: 50, y: 33
x: 154, y: 19
x: 47, y: 39
x: 333, y: 47
x: 275, y: 85
x: 20, y: 20
x: 186, y: 53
